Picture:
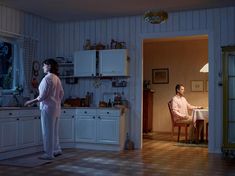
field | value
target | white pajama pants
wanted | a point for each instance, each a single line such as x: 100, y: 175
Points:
x: 50, y: 133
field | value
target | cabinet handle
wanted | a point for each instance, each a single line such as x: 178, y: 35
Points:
x: 99, y: 117
x: 72, y: 116
x: 93, y: 117
x: 10, y: 113
x: 107, y: 112
x: 85, y: 112
x: 92, y: 74
x: 35, y: 117
x: 17, y: 119
x: 64, y: 111
x: 39, y: 117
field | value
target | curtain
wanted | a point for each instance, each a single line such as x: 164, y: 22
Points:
x: 27, y: 56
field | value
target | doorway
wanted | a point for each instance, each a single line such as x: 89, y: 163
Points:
x: 171, y: 61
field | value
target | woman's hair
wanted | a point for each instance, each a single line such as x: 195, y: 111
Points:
x: 177, y: 87
x: 53, y: 64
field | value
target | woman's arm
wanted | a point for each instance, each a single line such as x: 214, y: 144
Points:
x: 30, y: 102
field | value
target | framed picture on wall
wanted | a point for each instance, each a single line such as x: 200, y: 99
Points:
x: 197, y: 86
x: 160, y: 76
x: 206, y: 84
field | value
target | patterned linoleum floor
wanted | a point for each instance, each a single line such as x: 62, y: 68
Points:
x: 159, y: 156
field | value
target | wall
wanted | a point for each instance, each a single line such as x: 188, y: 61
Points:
x: 184, y: 59
x: 15, y: 23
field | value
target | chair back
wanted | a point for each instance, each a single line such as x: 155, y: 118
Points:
x: 171, y: 112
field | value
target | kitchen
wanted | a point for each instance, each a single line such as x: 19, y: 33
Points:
x: 64, y: 38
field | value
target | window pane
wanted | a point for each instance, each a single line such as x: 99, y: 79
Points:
x: 6, y: 65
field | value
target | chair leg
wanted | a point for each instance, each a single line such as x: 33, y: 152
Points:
x: 207, y: 131
x: 186, y: 134
x: 179, y: 134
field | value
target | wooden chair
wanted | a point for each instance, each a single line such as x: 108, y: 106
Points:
x: 177, y: 124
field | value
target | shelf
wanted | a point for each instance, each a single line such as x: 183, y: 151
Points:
x: 65, y: 64
x: 64, y: 77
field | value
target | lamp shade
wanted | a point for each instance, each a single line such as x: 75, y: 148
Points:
x: 205, y: 68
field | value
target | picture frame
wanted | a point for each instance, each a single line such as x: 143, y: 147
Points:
x: 206, y: 85
x: 160, y: 76
x: 197, y: 86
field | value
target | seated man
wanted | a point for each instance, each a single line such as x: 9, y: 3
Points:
x: 180, y: 108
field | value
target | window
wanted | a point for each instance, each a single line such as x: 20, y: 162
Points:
x: 10, y: 60
x: 6, y: 65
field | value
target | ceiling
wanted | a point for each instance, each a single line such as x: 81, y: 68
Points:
x: 74, y: 10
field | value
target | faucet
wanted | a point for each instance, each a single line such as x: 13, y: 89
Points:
x: 16, y: 99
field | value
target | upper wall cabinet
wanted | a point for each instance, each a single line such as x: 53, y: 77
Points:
x: 85, y: 63
x: 113, y: 62
x: 101, y: 63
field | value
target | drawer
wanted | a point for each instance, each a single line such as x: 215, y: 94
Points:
x: 68, y: 112
x: 12, y: 113
x: 109, y: 112
x: 35, y: 112
x: 86, y: 111
x: 19, y: 113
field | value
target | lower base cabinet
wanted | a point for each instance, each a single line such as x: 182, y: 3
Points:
x: 66, y: 127
x: 99, y: 126
x: 20, y: 131
x: 8, y: 134
x: 28, y: 131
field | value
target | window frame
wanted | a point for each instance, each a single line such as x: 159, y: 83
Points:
x: 15, y: 67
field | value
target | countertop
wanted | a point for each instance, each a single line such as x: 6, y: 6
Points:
x: 63, y: 107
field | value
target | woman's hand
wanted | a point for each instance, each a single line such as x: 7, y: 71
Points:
x: 27, y: 103
x: 30, y: 102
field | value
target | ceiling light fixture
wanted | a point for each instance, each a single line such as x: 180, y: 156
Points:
x: 155, y: 17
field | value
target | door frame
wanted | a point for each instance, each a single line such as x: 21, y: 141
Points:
x: 138, y: 121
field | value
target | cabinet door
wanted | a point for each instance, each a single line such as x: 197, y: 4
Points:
x: 108, y: 129
x: 28, y: 131
x: 8, y: 134
x: 85, y: 63
x: 66, y: 128
x: 113, y: 62
x: 228, y: 97
x: 86, y: 128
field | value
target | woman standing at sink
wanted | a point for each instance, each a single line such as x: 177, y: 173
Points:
x: 50, y: 95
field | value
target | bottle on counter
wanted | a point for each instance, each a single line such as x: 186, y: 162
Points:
x: 87, y: 99
x: 109, y: 103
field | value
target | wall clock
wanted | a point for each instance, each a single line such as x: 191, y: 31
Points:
x: 36, y: 67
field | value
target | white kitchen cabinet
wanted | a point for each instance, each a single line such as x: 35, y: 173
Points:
x: 113, y: 62
x: 108, y: 129
x: 86, y: 125
x: 8, y: 134
x: 101, y: 63
x: 85, y: 63
x: 18, y: 129
x: 100, y: 126
x: 28, y: 131
x: 66, y: 128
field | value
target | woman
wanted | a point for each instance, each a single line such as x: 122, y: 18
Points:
x: 50, y: 95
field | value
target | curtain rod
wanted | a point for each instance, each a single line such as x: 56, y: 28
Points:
x: 15, y: 35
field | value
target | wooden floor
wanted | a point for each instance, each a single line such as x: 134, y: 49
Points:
x: 159, y: 156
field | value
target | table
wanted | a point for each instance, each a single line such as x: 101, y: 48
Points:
x: 198, y: 117
x: 199, y: 114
